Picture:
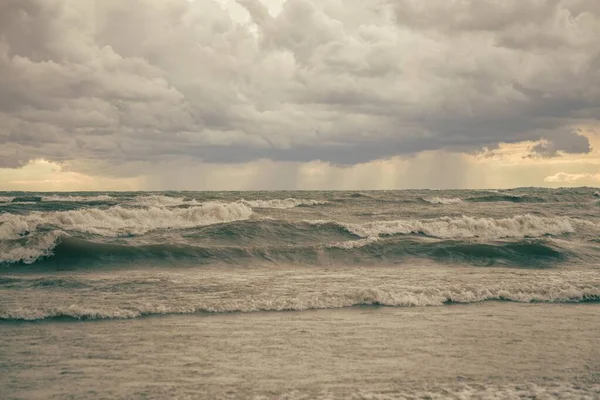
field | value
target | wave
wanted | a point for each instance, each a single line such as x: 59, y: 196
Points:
x: 282, y: 203
x: 526, y: 253
x: 26, y: 199
x: 226, y: 234
x: 119, y: 221
x: 29, y: 251
x: 513, y: 198
x: 352, y: 244
x: 520, y: 226
x: 163, y: 201
x: 169, y: 201
x: 376, y: 296
x: 6, y: 199
x: 358, y: 195
x: 71, y: 198
x: 442, y: 200
x: 64, y: 252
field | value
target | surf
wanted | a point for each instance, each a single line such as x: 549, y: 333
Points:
x: 356, y: 298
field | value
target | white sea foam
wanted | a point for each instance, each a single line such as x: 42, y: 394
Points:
x: 71, y: 198
x: 442, y: 200
x: 112, y: 222
x: 168, y: 201
x: 458, y: 391
x: 6, y: 199
x: 116, y: 221
x: 352, y: 244
x: 163, y: 201
x: 464, y: 227
x: 550, y: 292
x: 281, y: 203
x: 36, y: 247
x: 597, y: 194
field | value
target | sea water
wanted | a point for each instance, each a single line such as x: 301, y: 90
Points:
x: 384, y: 294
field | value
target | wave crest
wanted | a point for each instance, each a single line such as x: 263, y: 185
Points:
x: 464, y: 227
x: 74, y: 253
x: 281, y: 203
x: 442, y: 200
x: 505, y: 197
x: 169, y: 201
x: 163, y: 201
x: 377, y: 296
x: 26, y: 238
x: 117, y: 221
x: 35, y: 248
x: 71, y: 198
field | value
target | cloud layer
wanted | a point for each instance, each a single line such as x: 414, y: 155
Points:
x: 144, y: 81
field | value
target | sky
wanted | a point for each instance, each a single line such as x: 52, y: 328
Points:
x: 298, y: 94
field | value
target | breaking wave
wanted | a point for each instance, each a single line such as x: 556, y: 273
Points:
x: 67, y: 252
x: 513, y: 198
x: 520, y: 226
x: 225, y: 233
x: 120, y: 221
x: 442, y: 200
x: 376, y: 296
x: 29, y: 251
x: 352, y: 244
x: 30, y: 199
x: 281, y: 203
x: 25, y: 238
x: 163, y: 201
x: 155, y: 200
x: 169, y: 201
x: 70, y: 198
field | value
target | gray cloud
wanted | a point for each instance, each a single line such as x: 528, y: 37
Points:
x: 143, y: 80
x: 571, y: 143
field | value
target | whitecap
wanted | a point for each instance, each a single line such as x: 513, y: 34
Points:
x: 70, y: 198
x: 117, y: 221
x: 163, y: 201
x: 463, y: 227
x: 442, y: 200
x: 281, y: 203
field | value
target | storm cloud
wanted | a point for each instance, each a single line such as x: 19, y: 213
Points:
x: 343, y: 82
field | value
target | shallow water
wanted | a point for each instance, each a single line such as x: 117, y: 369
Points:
x: 488, y: 350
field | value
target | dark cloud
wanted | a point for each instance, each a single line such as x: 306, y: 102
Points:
x: 127, y: 81
x: 554, y: 145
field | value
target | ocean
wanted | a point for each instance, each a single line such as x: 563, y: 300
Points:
x: 416, y: 294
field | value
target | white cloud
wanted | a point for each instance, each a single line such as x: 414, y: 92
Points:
x: 563, y: 177
x: 42, y: 175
